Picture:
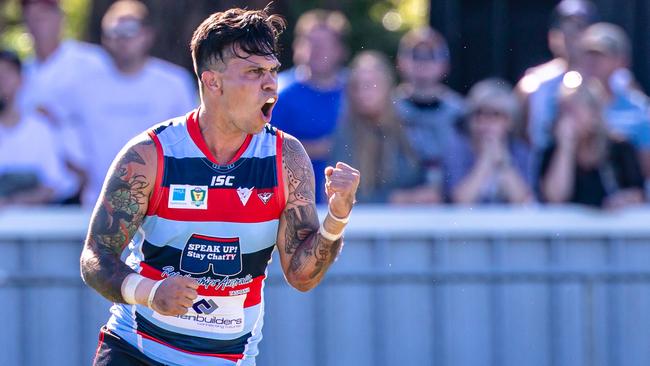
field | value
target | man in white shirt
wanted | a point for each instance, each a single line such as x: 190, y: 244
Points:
x: 132, y: 93
x: 50, y: 76
x: 30, y: 169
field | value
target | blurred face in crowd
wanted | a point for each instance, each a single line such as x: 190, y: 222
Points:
x: 489, y: 122
x: 127, y: 40
x: 322, y: 49
x: 9, y: 83
x: 242, y: 88
x: 43, y: 20
x: 600, y: 65
x: 424, y: 66
x: 563, y: 41
x: 585, y: 118
x: 369, y: 90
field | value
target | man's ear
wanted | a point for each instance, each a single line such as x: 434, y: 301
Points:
x: 211, y: 80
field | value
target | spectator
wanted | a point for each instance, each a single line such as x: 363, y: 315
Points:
x: 132, y: 93
x: 49, y: 78
x: 568, y: 19
x: 487, y: 163
x: 30, y: 170
x: 308, y: 107
x: 541, y: 86
x: 585, y: 165
x: 369, y: 135
x: 606, y: 51
x: 428, y: 108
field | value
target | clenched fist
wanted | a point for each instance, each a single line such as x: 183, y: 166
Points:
x: 175, y: 295
x: 341, y: 184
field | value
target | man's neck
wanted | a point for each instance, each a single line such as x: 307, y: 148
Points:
x: 44, y: 50
x: 9, y: 117
x: 131, y: 68
x: 426, y: 93
x: 222, y: 138
x: 325, y: 81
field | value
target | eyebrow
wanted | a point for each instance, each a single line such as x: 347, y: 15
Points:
x: 276, y: 67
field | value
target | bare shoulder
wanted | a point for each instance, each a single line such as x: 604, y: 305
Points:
x: 299, y: 174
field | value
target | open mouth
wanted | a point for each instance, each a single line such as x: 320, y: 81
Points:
x: 268, y: 106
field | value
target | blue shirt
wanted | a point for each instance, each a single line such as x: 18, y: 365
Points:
x: 309, y: 114
x: 627, y: 116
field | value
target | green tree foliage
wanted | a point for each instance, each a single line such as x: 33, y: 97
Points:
x: 374, y: 24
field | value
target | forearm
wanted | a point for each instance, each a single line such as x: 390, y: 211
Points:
x: 467, y: 191
x: 557, y: 184
x: 313, y: 257
x: 104, y: 272
x: 514, y: 186
x: 40, y: 195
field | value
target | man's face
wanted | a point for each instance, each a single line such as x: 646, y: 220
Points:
x: 127, y: 40
x: 323, y: 50
x: 600, y: 65
x: 249, y: 89
x: 423, y: 66
x: 43, y: 20
x: 9, y: 81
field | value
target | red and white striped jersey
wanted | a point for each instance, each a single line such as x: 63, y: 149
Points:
x: 216, y: 223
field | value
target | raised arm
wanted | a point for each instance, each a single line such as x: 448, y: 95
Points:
x: 306, y: 248
x: 117, y: 216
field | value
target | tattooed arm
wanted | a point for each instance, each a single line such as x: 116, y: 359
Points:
x: 117, y: 216
x: 305, y: 254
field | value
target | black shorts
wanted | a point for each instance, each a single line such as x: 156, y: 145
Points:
x: 114, y: 351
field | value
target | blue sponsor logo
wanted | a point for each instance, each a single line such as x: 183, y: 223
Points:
x: 221, y: 256
x: 178, y: 194
x: 205, y: 306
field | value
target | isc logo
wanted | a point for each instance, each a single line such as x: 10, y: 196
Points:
x: 222, y: 180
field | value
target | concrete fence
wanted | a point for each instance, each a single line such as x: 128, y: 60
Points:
x: 416, y: 286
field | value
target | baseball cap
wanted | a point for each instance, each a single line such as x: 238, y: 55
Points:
x: 606, y: 38
x: 582, y: 10
x: 495, y: 94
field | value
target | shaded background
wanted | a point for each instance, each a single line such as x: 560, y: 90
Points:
x: 486, y: 37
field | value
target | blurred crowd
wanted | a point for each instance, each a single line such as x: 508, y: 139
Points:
x: 575, y: 129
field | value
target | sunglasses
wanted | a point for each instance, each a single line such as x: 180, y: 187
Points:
x: 124, y: 29
x: 429, y: 54
x: 489, y: 112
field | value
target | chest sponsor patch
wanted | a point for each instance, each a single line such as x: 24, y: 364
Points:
x: 222, y: 314
x: 188, y: 197
x: 220, y: 256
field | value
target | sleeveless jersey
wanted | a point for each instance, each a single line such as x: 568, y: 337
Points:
x: 218, y: 224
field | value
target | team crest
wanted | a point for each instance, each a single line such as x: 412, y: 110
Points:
x: 265, y: 196
x: 244, y: 194
x: 198, y: 196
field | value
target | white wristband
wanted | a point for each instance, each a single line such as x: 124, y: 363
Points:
x: 129, y: 286
x: 343, y: 220
x: 327, y: 235
x: 152, y: 293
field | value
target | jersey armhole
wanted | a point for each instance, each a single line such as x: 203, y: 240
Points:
x: 156, y: 194
x: 282, y: 201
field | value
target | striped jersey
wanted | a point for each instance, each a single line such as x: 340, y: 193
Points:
x: 218, y: 224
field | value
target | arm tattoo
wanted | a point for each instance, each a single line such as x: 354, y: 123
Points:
x: 311, y: 254
x: 114, y: 224
x: 299, y: 172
